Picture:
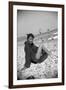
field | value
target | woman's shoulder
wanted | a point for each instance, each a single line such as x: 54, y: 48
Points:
x: 26, y: 42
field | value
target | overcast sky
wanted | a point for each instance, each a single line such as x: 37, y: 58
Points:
x: 35, y: 21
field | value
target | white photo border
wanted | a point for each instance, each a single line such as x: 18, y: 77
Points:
x: 53, y: 80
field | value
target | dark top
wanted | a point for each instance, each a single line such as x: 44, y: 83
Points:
x: 30, y: 52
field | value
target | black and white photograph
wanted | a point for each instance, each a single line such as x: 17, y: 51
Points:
x: 37, y: 44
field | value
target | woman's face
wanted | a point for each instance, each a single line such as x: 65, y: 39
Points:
x: 30, y: 40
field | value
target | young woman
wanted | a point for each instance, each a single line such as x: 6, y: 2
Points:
x: 34, y: 54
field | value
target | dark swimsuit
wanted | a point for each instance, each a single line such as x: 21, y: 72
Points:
x: 30, y: 53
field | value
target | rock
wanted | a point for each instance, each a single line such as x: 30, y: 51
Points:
x: 46, y: 69
x: 30, y: 77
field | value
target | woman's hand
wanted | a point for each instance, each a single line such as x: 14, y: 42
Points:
x: 24, y: 68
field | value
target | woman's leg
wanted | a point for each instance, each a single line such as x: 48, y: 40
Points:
x: 38, y: 54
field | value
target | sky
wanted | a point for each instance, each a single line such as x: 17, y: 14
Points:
x: 35, y: 21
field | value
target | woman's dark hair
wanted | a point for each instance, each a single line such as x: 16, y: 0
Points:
x: 30, y: 35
